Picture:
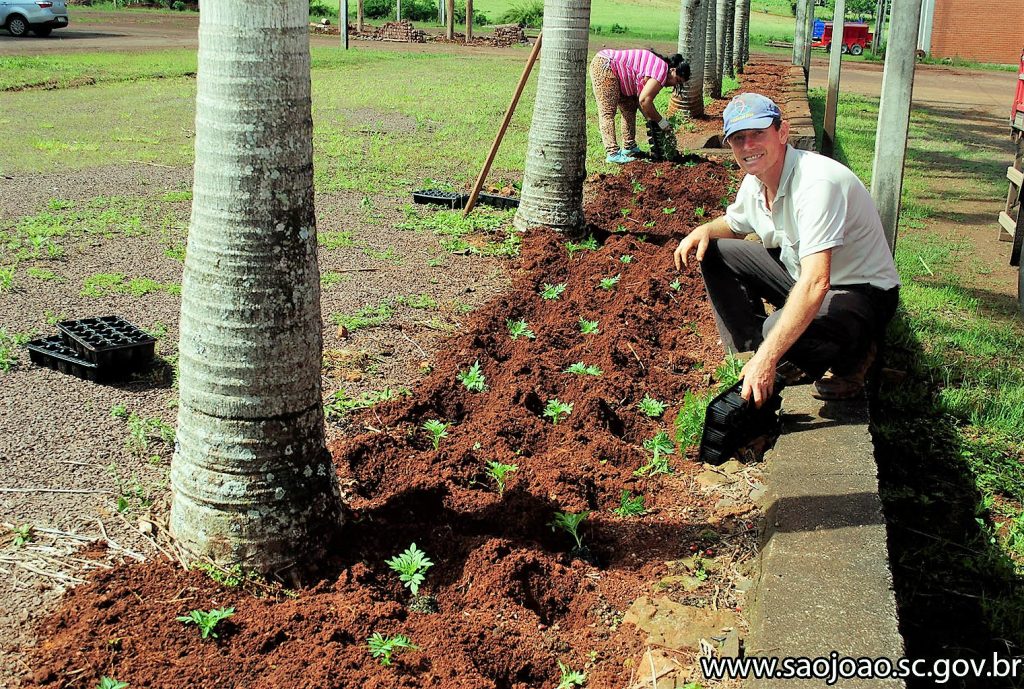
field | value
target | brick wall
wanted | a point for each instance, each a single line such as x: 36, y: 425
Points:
x: 982, y: 30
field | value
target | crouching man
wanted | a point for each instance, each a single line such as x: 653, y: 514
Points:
x: 822, y: 262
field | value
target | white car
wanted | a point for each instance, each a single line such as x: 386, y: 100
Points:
x: 38, y: 16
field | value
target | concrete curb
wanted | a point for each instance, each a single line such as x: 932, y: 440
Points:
x: 824, y: 582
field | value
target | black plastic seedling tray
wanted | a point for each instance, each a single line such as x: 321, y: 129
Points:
x: 448, y: 199
x: 109, y: 342
x: 53, y: 352
x: 498, y: 200
x: 731, y: 422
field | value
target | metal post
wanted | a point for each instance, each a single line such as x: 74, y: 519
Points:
x: 894, y: 115
x: 828, y: 138
x: 343, y: 22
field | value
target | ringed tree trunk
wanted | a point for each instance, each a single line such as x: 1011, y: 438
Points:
x: 552, y: 194
x: 739, y: 35
x: 449, y: 19
x: 469, y: 21
x: 359, y: 16
x: 251, y: 480
x: 746, y: 31
x: 689, y: 96
x: 712, y: 77
x: 728, y: 24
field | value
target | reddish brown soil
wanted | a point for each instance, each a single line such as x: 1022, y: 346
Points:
x: 512, y: 598
x: 765, y: 75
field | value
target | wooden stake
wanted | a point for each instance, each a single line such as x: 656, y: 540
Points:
x: 504, y: 125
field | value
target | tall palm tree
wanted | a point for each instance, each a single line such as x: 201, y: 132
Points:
x: 449, y: 20
x: 252, y: 482
x: 726, y: 12
x: 712, y: 77
x: 741, y: 35
x: 359, y: 16
x: 689, y: 96
x: 552, y: 193
x: 469, y: 21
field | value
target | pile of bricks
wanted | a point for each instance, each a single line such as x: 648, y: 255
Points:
x: 508, y: 34
x: 402, y: 31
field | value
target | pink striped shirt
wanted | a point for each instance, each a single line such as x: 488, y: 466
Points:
x: 633, y: 67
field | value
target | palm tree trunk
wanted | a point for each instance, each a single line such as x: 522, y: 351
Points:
x: 252, y: 482
x: 359, y: 16
x: 449, y: 20
x: 739, y: 35
x: 726, y: 10
x: 712, y: 77
x: 556, y: 150
x: 689, y: 96
x: 746, y: 31
x: 469, y: 21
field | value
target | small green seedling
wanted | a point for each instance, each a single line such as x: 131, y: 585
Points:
x: 551, y: 292
x: 620, y: 229
x: 436, y: 429
x: 676, y: 285
x: 625, y: 212
x: 411, y: 566
x: 570, y: 678
x: 630, y: 505
x: 610, y: 283
x: 111, y: 683
x: 520, y: 328
x: 588, y: 327
x: 699, y: 211
x: 590, y: 243
x: 570, y: 523
x: 668, y: 211
x: 557, y: 410
x: 581, y: 369
x: 383, y: 647
x: 499, y: 472
x: 473, y: 379
x: 660, y: 447
x: 206, y: 621
x: 651, y: 407
x: 626, y: 258
x: 637, y: 187
x: 23, y: 534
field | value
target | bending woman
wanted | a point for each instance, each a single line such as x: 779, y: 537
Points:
x: 626, y: 80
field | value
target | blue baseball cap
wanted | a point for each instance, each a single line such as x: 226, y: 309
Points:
x: 749, y: 111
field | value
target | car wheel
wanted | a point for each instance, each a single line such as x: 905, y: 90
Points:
x: 17, y: 26
x: 845, y: 49
x: 856, y: 49
x: 43, y: 31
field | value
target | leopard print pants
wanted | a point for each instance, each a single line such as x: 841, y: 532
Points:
x: 609, y: 99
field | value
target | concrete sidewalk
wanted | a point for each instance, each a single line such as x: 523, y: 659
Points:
x: 824, y: 582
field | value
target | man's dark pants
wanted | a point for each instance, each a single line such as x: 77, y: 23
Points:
x: 738, y: 274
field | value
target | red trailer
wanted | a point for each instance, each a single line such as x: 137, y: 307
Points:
x: 855, y: 37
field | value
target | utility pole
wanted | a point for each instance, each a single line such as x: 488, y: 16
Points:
x: 828, y: 138
x: 894, y: 115
x: 343, y: 22
x: 799, y: 32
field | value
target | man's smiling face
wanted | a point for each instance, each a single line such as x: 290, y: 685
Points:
x: 759, y: 151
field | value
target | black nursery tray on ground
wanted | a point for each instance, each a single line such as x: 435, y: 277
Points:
x: 731, y: 422
x: 498, y: 200
x: 449, y: 199
x: 52, y: 352
x: 109, y: 341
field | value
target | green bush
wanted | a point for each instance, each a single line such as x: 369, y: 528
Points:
x: 319, y: 9
x: 526, y: 13
x: 417, y: 11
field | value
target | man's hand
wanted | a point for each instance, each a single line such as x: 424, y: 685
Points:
x: 758, y: 376
x: 699, y: 240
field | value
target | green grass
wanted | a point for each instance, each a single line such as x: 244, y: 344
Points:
x: 105, y: 284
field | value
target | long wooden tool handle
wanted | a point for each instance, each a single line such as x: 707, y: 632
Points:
x: 504, y: 125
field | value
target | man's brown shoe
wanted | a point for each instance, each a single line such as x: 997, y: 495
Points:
x: 849, y: 385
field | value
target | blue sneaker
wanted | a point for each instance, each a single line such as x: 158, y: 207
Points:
x: 620, y: 158
x: 634, y: 151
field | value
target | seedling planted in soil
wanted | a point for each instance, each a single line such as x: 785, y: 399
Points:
x: 499, y: 473
x: 111, y: 683
x: 651, y: 407
x: 570, y: 678
x: 588, y: 327
x: 675, y: 285
x: 411, y: 566
x: 520, y: 328
x: 557, y: 410
x: 626, y: 258
x: 206, y: 621
x: 383, y: 647
x: 630, y: 505
x: 22, y: 534
x: 473, y: 379
x: 589, y: 243
x: 581, y: 369
x: 436, y: 430
x: 660, y: 447
x: 552, y: 292
x: 610, y: 283
x: 570, y: 523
